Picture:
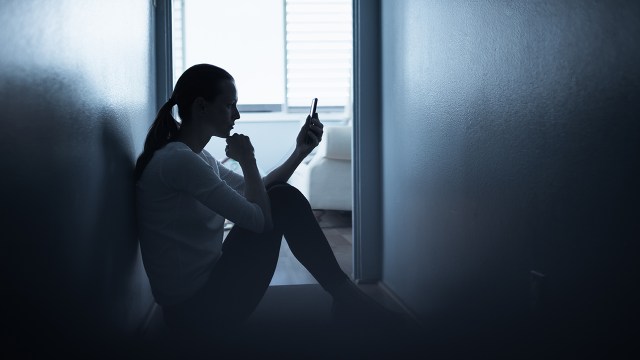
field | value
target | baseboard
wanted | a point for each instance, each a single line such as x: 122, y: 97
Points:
x: 364, y: 281
x: 400, y: 303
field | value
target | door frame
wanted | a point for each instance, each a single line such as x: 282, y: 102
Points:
x: 367, y: 142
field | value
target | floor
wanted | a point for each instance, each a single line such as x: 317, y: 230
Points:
x: 292, y: 322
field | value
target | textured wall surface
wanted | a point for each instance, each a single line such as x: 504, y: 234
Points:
x: 510, y: 143
x: 77, y: 96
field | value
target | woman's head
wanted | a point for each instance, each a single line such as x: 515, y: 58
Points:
x: 200, y: 81
x: 203, y: 94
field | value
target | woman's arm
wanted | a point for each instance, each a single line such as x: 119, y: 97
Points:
x: 240, y: 149
x: 283, y: 172
x: 308, y: 138
x: 255, y: 191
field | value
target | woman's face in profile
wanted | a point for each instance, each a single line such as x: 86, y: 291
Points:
x: 223, y: 112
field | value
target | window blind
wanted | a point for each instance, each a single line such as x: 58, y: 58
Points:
x: 177, y: 38
x: 318, y: 52
x: 317, y: 49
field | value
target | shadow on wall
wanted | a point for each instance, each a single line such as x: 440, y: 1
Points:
x: 69, y: 249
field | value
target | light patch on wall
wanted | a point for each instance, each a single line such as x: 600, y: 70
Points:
x: 81, y: 35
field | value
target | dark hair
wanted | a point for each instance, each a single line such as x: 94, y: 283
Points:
x: 201, y: 80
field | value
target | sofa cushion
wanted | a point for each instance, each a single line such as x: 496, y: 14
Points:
x: 336, y: 143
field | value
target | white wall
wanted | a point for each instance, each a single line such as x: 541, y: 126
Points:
x: 77, y: 94
x: 511, y: 143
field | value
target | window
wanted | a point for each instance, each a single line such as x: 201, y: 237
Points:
x: 282, y: 53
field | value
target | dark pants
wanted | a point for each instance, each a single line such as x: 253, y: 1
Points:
x: 243, y: 273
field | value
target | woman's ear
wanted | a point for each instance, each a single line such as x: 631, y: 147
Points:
x: 199, y: 103
x: 198, y: 106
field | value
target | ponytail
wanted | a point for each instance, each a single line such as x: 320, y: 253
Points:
x: 163, y: 130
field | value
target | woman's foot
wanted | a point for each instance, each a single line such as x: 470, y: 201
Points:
x: 352, y: 305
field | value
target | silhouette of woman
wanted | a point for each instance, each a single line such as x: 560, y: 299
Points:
x: 184, y: 195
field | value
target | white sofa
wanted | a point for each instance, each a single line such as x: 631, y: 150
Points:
x: 325, y: 175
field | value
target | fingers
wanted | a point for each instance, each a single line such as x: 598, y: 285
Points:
x: 316, y: 127
x: 238, y: 142
x: 315, y: 139
x: 316, y: 130
x: 237, y: 139
x: 315, y: 121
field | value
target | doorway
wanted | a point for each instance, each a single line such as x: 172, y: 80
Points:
x: 305, y: 51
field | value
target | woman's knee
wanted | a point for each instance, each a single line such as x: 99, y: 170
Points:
x: 283, y: 190
x: 286, y: 195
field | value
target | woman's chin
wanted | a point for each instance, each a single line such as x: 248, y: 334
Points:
x: 222, y: 135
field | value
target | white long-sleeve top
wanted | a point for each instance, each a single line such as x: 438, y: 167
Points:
x: 182, y: 200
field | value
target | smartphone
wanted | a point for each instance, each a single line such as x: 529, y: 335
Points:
x: 312, y: 111
x: 314, y: 105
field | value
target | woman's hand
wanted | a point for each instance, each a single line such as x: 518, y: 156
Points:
x: 308, y: 138
x: 310, y: 135
x: 239, y: 148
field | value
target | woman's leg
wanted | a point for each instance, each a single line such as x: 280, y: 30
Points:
x: 249, y: 259
x: 243, y: 273
x: 293, y: 216
x: 236, y: 285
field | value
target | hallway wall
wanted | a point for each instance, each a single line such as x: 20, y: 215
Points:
x: 510, y: 144
x: 77, y: 96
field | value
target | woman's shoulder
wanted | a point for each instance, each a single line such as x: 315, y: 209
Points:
x: 174, y: 149
x: 178, y: 161
x: 176, y: 153
x: 174, y: 146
